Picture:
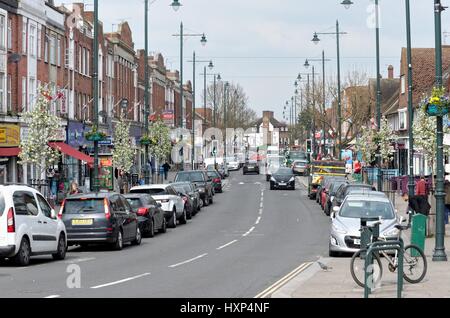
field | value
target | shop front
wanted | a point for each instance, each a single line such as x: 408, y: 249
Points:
x: 9, y: 152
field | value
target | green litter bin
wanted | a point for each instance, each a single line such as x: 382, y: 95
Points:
x: 418, y: 232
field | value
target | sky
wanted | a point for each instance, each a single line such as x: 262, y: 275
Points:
x: 262, y: 44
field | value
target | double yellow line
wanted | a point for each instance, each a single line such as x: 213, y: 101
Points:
x: 283, y: 281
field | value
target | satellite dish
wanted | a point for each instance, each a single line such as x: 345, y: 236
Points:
x: 14, y: 58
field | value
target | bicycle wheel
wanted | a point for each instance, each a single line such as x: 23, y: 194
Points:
x: 414, y: 264
x: 357, y: 268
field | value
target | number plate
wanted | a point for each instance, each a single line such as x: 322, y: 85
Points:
x: 282, y: 184
x: 83, y: 222
x: 357, y: 242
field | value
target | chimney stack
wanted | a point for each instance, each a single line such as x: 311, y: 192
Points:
x: 390, y: 72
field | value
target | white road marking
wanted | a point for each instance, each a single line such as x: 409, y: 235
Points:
x: 270, y: 290
x: 228, y: 244
x: 262, y: 205
x: 80, y: 260
x: 260, y: 211
x: 257, y: 220
x: 188, y: 261
x: 241, y: 183
x: 120, y: 281
x: 249, y: 231
x: 53, y: 296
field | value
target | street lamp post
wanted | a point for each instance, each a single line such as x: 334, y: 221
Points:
x: 227, y: 85
x: 347, y: 4
x: 313, y: 109
x: 146, y: 97
x: 96, y: 186
x: 203, y: 41
x: 411, y: 182
x: 439, y: 251
x: 339, y: 116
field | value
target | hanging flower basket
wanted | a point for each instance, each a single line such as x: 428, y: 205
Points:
x: 146, y: 141
x: 95, y: 135
x: 438, y: 104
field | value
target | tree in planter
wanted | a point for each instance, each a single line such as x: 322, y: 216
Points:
x: 161, y: 145
x: 123, y: 153
x: 424, y: 130
x: 42, y: 128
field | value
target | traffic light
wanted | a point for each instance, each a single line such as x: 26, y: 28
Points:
x: 309, y: 146
x: 215, y: 144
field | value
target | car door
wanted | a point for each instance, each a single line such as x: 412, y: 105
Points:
x: 130, y: 219
x: 158, y: 215
x: 28, y: 216
x: 50, y: 226
x: 179, y: 203
x: 118, y: 212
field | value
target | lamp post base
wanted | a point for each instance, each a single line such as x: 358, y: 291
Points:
x: 439, y: 255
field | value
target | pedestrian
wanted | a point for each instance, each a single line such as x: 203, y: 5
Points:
x: 421, y: 188
x: 74, y: 188
x: 166, y: 168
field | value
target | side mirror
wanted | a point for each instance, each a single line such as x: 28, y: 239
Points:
x: 53, y: 214
x: 334, y: 212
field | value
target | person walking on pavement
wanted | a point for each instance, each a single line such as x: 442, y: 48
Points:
x: 166, y: 167
x: 421, y: 188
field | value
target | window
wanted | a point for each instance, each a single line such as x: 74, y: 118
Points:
x: 2, y: 91
x: 24, y: 93
x: 9, y: 97
x: 402, y: 121
x: 31, y: 90
x: 45, y: 208
x: 53, y: 50
x: 24, y: 36
x: 31, y: 41
x: 25, y: 204
x: 46, y: 50
x: 58, y: 53
x: 9, y: 34
x: 2, y: 32
x: 403, y: 84
x: 87, y: 71
x: 39, y: 42
x: 83, y: 62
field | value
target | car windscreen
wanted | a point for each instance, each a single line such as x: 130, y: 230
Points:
x: 353, y: 189
x: 2, y: 203
x: 187, y: 188
x: 300, y: 163
x: 84, y: 206
x: 135, y: 203
x: 153, y: 191
x: 213, y: 174
x: 335, y: 186
x: 283, y: 171
x: 180, y: 189
x: 192, y: 177
x: 367, y: 209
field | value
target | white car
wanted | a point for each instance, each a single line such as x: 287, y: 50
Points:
x: 233, y: 164
x: 171, y: 202
x: 29, y: 226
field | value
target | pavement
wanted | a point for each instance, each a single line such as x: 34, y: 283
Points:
x: 249, y: 238
x: 336, y: 281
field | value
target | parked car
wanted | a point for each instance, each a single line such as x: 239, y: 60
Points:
x: 29, y: 226
x: 300, y: 167
x: 149, y: 212
x: 325, y: 188
x: 233, y: 164
x: 188, y: 201
x: 331, y: 193
x: 216, y: 181
x: 346, y: 189
x: 193, y: 192
x: 251, y: 166
x: 171, y: 203
x: 102, y: 217
x: 345, y: 235
x: 201, y: 180
x: 221, y: 168
x: 282, y: 178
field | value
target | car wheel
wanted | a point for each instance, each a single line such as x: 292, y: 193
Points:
x: 151, y: 229
x: 163, y: 228
x: 61, y: 249
x: 23, y: 256
x: 118, y: 245
x: 211, y: 200
x: 138, y: 238
x: 189, y: 215
x: 183, y: 219
x: 272, y: 187
x: 173, y: 220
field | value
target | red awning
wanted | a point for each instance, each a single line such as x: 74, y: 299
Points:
x: 65, y: 148
x: 9, y: 152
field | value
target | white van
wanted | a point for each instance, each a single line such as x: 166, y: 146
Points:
x: 29, y: 226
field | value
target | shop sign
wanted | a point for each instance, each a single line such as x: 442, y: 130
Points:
x: 60, y: 134
x: 9, y: 135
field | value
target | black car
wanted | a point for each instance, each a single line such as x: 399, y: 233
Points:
x: 193, y: 192
x: 251, y: 167
x: 150, y: 215
x: 103, y: 217
x: 346, y: 189
x: 188, y: 201
x: 331, y: 193
x: 202, y: 182
x: 283, y: 178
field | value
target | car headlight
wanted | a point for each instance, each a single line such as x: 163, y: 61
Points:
x: 201, y: 190
x: 338, y: 229
x: 292, y: 179
x: 273, y: 179
x: 333, y: 241
x: 391, y: 232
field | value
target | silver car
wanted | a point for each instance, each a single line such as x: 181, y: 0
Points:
x: 345, y: 234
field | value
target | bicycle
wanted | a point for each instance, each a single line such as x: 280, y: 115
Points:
x: 414, y: 262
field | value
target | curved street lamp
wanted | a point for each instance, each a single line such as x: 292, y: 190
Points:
x: 203, y: 40
x: 306, y: 65
x: 347, y: 3
x: 176, y: 5
x: 315, y: 39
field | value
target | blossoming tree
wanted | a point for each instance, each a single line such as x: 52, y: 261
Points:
x: 123, y: 152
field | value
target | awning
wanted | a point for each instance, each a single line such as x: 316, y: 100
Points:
x: 72, y: 152
x: 9, y: 152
